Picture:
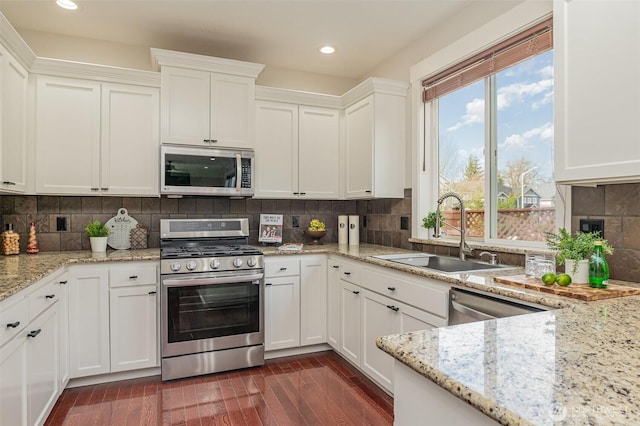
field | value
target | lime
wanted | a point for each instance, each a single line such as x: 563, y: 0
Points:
x: 563, y: 280
x: 548, y: 278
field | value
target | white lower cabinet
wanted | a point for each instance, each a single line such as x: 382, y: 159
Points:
x: 13, y: 382
x: 282, y: 312
x: 134, y: 327
x: 113, y: 316
x: 43, y: 385
x: 366, y: 302
x: 88, y: 320
x: 295, y: 301
x: 31, y: 360
x: 350, y: 329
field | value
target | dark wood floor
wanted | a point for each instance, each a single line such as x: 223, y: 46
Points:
x: 316, y: 389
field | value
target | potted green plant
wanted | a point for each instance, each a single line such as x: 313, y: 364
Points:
x: 98, y: 234
x: 429, y: 222
x: 574, y: 250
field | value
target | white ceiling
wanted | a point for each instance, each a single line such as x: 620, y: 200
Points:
x: 283, y: 34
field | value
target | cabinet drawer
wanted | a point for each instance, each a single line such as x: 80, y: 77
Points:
x: 281, y: 267
x: 418, y: 292
x: 41, y: 299
x: 133, y: 274
x: 14, y: 316
x: 350, y: 273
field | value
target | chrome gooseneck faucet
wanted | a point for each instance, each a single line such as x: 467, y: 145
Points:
x: 464, y: 247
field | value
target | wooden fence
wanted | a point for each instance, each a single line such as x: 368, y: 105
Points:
x: 529, y: 224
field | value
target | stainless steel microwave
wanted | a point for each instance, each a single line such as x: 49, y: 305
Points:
x: 206, y: 171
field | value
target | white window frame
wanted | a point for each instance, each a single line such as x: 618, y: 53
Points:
x: 425, y: 154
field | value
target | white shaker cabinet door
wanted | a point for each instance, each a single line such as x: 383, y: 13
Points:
x: 351, y: 332
x: 89, y: 320
x: 67, y: 136
x: 134, y: 327
x: 597, y: 137
x: 319, y: 153
x: 13, y: 381
x: 130, y: 142
x: 185, y: 106
x: 276, y: 150
x: 13, y: 123
x: 282, y: 313
x: 359, y: 138
x: 313, y: 300
x: 334, y: 319
x: 232, y: 111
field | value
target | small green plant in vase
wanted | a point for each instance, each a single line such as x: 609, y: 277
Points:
x: 574, y: 250
x: 98, y: 234
x: 429, y: 222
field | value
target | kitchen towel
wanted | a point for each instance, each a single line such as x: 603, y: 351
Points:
x: 354, y: 230
x: 343, y: 229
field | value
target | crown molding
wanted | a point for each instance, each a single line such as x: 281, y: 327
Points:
x: 274, y: 94
x: 12, y: 41
x: 161, y: 57
x: 375, y: 85
x: 87, y: 71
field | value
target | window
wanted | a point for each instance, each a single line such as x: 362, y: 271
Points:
x: 492, y: 119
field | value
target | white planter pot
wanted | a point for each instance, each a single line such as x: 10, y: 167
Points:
x: 98, y: 244
x: 581, y: 274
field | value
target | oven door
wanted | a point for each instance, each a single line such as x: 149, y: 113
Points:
x: 211, y: 312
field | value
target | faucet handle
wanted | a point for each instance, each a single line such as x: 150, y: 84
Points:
x: 493, y: 257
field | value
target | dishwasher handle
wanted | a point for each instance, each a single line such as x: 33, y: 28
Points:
x: 480, y: 316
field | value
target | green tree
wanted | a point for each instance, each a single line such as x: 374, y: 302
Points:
x: 510, y: 175
x: 473, y: 169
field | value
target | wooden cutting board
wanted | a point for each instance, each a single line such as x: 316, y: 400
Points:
x: 574, y: 291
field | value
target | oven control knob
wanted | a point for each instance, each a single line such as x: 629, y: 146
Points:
x: 237, y: 262
x: 251, y: 262
x: 175, y: 266
x: 191, y: 265
x: 214, y: 264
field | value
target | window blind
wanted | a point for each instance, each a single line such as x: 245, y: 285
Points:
x: 531, y: 42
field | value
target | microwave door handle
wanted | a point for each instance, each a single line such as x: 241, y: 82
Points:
x: 238, y: 172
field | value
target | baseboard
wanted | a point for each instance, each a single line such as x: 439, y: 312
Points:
x: 113, y: 377
x: 297, y: 351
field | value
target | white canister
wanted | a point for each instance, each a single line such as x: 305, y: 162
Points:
x: 354, y: 230
x: 343, y: 229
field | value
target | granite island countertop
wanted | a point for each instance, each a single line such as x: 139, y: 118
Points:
x: 571, y: 366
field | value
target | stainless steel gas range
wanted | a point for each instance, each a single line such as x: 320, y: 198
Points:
x: 212, y: 297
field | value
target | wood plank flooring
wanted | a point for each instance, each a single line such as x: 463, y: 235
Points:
x: 315, y: 389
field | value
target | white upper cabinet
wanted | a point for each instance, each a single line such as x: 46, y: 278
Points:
x: 375, y: 127
x: 206, y: 101
x: 297, y: 151
x: 13, y: 121
x: 597, y: 137
x: 96, y: 138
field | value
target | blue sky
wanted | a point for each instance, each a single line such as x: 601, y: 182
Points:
x: 525, y: 119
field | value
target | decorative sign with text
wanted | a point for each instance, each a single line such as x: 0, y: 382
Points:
x: 270, y: 228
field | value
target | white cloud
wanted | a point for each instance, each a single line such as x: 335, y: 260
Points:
x: 474, y: 114
x: 520, y: 141
x: 547, y: 72
x: 516, y: 92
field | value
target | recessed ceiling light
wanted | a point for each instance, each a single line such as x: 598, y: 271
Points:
x: 327, y: 50
x: 67, y: 4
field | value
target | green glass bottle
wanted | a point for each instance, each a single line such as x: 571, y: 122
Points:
x: 598, y: 267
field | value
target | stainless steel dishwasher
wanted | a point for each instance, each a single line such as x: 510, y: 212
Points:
x: 467, y: 305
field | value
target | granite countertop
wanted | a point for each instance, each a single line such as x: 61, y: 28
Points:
x: 20, y: 271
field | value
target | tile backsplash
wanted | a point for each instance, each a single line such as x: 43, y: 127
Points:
x: 380, y: 220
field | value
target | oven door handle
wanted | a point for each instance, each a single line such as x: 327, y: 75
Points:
x: 173, y: 282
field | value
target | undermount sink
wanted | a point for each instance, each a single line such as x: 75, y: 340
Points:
x: 450, y: 265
